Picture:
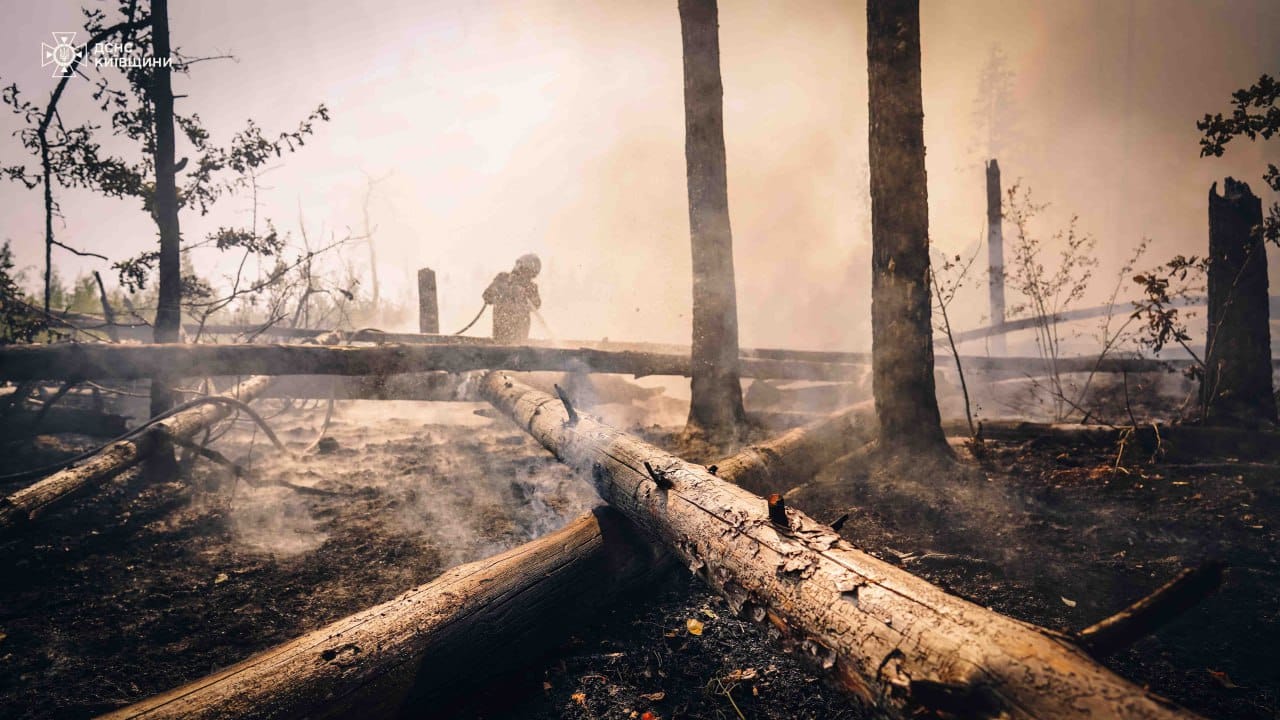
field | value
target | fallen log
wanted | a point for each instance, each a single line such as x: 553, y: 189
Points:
x: 776, y: 465
x: 34, y: 500
x: 1166, y: 441
x: 411, y: 656
x: 78, y: 361
x: 74, y: 361
x: 1032, y: 365
x: 890, y: 638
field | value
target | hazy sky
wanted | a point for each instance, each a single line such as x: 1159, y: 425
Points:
x: 557, y: 127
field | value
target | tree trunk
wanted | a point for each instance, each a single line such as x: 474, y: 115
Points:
x: 412, y: 656
x: 428, y: 309
x: 887, y: 636
x: 901, y: 326
x: 33, y: 501
x: 1237, y: 387
x: 716, y: 404
x: 165, y: 203
x: 995, y: 253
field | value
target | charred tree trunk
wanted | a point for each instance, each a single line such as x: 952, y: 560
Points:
x: 888, y: 637
x: 1237, y: 387
x: 716, y: 406
x: 995, y: 253
x: 165, y: 202
x: 428, y: 308
x: 902, y: 331
x: 415, y: 655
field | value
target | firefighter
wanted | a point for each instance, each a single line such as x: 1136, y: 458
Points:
x: 514, y: 296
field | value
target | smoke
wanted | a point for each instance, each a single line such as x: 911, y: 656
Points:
x: 557, y: 128
x: 465, y: 485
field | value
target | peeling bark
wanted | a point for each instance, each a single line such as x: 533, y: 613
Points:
x: 890, y: 638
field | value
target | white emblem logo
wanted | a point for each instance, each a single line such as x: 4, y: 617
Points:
x: 61, y: 55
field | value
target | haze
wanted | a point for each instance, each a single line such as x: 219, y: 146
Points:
x: 500, y: 128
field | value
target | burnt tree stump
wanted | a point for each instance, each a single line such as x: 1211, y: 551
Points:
x: 1237, y: 388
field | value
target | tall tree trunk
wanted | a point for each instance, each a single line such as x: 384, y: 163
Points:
x: 165, y: 202
x: 902, y: 333
x: 995, y: 253
x: 716, y: 406
x: 1237, y: 388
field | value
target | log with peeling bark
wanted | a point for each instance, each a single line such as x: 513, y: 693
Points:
x: 890, y: 638
x: 414, y: 655
x: 33, y: 501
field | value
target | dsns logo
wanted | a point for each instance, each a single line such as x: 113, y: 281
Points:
x: 61, y: 55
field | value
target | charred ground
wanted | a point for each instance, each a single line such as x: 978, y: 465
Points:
x: 158, y: 581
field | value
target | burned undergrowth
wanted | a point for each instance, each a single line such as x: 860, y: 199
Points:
x: 157, y: 580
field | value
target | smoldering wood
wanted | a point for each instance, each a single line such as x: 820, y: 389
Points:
x: 430, y: 646
x: 437, y: 654
x: 888, y: 637
x: 31, y: 502
x: 1237, y: 387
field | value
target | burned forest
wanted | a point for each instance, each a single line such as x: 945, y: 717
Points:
x: 639, y: 360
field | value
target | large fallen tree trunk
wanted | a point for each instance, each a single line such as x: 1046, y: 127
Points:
x: 77, y: 361
x: 891, y: 638
x: 411, y: 656
x: 1032, y: 365
x: 30, y: 502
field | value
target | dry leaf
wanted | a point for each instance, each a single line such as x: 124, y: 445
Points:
x: 710, y: 613
x: 222, y: 577
x: 654, y: 696
x: 580, y: 698
x: 1068, y: 602
x: 693, y: 626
